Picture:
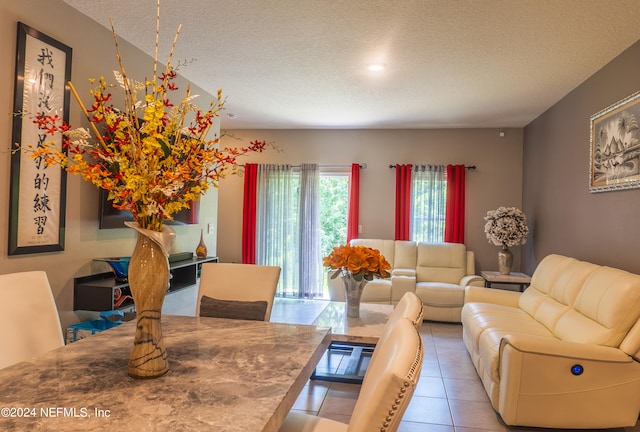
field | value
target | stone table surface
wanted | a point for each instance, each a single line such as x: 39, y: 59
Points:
x: 225, y: 375
x: 366, y: 329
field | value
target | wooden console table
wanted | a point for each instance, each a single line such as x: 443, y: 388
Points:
x: 514, y: 278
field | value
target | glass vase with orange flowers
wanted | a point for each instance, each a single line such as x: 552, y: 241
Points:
x: 356, y: 265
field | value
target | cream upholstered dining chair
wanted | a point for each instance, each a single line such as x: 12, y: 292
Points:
x: 28, y: 317
x: 386, y: 391
x: 409, y: 307
x: 237, y: 291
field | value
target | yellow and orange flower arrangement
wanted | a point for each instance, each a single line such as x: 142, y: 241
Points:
x: 360, y: 262
x: 153, y: 157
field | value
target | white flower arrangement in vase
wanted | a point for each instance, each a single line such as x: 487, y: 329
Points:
x: 506, y: 227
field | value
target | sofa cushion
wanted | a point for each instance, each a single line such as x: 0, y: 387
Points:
x: 486, y: 324
x: 440, y: 294
x: 405, y: 255
x: 606, y: 307
x: 443, y: 262
x: 479, y: 317
x: 554, y: 287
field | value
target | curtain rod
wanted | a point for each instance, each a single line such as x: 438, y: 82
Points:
x: 469, y: 167
x: 362, y: 166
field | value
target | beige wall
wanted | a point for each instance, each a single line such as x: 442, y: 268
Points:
x: 598, y: 227
x: 496, y: 181
x: 93, y: 55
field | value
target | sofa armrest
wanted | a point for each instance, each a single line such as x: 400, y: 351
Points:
x: 403, y: 272
x: 546, y: 346
x: 552, y: 383
x: 476, y: 294
x: 401, y: 285
x: 472, y: 280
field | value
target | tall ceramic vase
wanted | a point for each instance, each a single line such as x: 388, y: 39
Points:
x: 148, y: 281
x: 353, y: 293
x: 505, y: 260
x: 201, y: 249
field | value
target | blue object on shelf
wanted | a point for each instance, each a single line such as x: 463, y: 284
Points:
x: 108, y: 319
x: 119, y: 266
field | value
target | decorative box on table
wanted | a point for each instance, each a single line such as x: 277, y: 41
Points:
x: 81, y: 330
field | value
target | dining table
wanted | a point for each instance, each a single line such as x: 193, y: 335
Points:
x: 225, y: 376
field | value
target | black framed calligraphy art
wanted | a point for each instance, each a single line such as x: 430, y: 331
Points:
x: 38, y: 193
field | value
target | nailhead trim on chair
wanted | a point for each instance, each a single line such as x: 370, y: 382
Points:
x: 418, y: 361
x: 420, y: 314
x: 412, y: 371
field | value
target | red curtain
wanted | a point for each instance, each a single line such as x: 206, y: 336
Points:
x: 454, y: 218
x: 403, y: 202
x: 249, y: 214
x: 353, y: 214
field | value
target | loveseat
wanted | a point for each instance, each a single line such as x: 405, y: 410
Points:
x: 436, y: 272
x: 565, y: 353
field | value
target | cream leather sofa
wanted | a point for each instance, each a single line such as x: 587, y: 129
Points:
x: 563, y: 354
x: 436, y: 272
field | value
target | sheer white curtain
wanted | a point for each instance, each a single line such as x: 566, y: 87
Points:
x: 288, y: 227
x: 277, y: 241
x: 428, y: 203
x: 311, y: 276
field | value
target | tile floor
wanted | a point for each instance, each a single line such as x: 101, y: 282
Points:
x: 449, y: 396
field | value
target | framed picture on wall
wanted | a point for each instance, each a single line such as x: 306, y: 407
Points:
x: 614, y: 162
x: 38, y: 193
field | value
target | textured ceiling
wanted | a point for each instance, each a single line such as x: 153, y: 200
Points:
x: 293, y: 64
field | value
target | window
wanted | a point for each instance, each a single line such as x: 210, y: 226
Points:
x: 301, y: 216
x: 428, y: 203
x: 334, y: 203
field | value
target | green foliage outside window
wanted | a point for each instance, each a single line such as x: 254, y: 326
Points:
x: 334, y: 203
x: 334, y: 197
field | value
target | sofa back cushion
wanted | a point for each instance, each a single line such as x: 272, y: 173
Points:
x: 386, y: 247
x: 554, y: 287
x: 605, y: 309
x: 583, y: 302
x: 441, y: 262
x: 405, y: 255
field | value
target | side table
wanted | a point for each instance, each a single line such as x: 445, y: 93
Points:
x: 513, y: 278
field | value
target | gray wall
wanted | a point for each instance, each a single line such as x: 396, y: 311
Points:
x: 496, y: 181
x: 564, y: 217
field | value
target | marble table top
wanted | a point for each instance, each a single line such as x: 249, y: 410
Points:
x: 365, y: 329
x: 225, y: 375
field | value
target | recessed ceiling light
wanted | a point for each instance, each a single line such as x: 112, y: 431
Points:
x: 376, y: 66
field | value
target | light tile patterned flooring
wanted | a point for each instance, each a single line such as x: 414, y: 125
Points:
x: 449, y: 396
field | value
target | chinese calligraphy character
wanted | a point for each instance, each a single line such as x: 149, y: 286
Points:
x: 40, y: 222
x: 41, y: 181
x: 46, y: 56
x: 41, y: 203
